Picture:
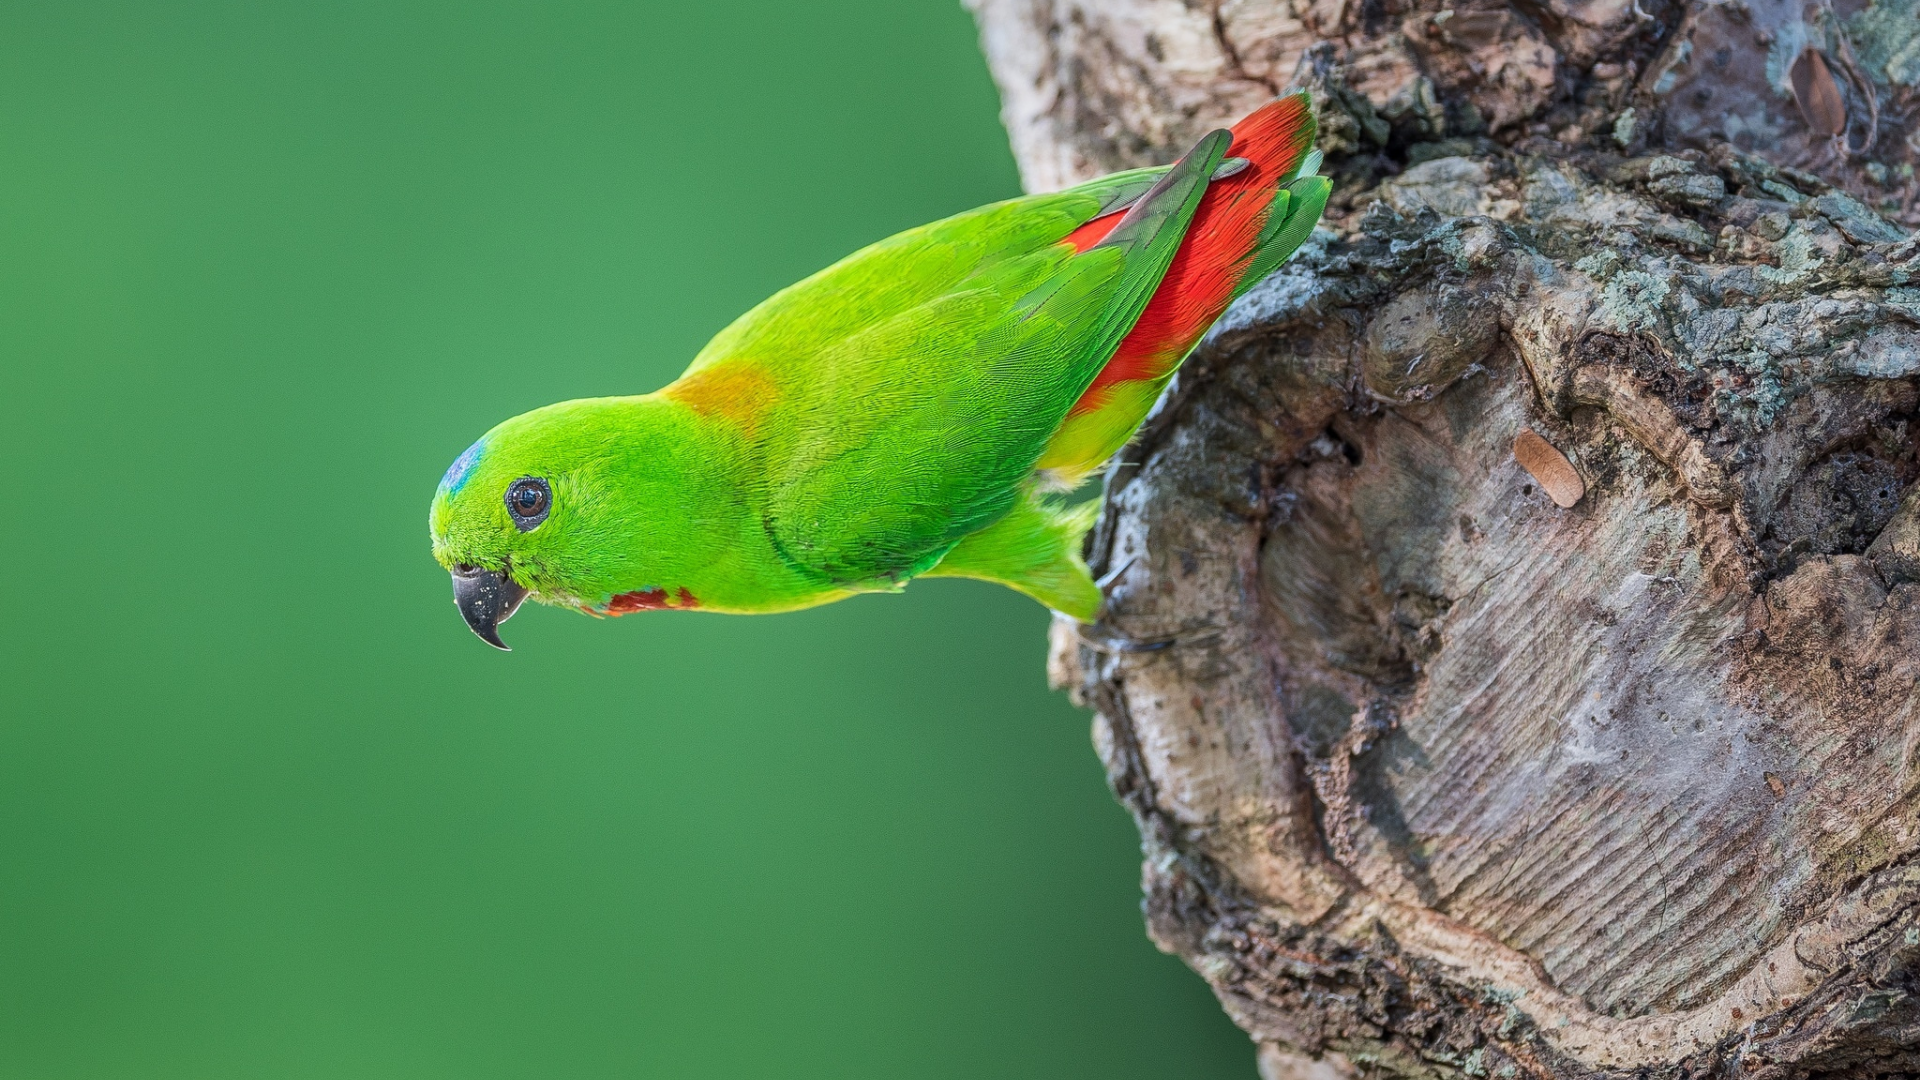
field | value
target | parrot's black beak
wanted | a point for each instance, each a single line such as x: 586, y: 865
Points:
x: 486, y: 599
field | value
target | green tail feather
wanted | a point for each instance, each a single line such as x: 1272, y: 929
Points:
x: 1305, y: 198
x: 1035, y: 549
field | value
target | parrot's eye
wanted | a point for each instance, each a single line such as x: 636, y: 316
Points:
x: 528, y: 500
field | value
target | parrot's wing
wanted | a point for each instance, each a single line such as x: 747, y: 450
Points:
x: 917, y: 427
x: 790, y: 329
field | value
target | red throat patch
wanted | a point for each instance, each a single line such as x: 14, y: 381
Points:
x: 651, y: 599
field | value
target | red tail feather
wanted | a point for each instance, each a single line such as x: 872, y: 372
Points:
x: 1206, y: 272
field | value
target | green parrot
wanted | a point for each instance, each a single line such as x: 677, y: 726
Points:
x: 915, y: 410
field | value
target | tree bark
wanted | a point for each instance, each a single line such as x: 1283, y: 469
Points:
x: 1460, y: 753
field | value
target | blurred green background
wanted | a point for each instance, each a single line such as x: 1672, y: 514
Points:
x: 267, y: 809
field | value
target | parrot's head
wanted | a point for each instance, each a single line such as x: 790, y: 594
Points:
x: 518, y: 515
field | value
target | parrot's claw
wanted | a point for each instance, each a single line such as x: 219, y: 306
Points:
x: 486, y: 598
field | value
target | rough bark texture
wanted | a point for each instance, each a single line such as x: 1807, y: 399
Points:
x: 1435, y: 776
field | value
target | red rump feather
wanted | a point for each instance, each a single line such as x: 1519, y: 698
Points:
x: 1220, y: 243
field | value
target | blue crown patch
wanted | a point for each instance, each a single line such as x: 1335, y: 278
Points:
x: 461, y: 468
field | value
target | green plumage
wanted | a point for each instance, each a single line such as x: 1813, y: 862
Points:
x: 877, y: 421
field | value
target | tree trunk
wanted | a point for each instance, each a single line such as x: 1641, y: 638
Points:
x: 1457, y: 750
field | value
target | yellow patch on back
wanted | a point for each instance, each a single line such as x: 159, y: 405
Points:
x: 1084, y: 441
x: 738, y: 391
